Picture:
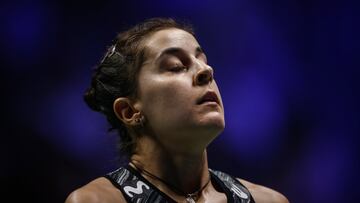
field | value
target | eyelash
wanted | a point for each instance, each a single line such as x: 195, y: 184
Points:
x: 178, y: 68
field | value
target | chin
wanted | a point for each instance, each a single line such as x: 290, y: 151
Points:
x: 213, y: 124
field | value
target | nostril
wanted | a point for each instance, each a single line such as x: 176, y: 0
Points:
x: 204, y: 77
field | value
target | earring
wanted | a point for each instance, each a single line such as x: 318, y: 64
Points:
x: 140, y: 120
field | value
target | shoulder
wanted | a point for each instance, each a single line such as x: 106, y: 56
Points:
x: 98, y: 190
x: 264, y: 194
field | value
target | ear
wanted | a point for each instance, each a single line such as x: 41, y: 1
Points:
x: 125, y: 111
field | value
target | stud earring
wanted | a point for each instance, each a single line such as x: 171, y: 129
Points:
x: 140, y: 120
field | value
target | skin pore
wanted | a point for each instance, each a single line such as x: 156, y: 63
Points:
x: 177, y: 128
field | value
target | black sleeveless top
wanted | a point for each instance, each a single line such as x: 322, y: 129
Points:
x: 136, y: 188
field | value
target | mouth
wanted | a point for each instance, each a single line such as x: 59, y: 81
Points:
x: 209, y: 97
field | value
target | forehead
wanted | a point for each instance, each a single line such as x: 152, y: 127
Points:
x: 167, y: 38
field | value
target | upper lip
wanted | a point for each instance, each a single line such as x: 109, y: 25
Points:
x: 209, y: 96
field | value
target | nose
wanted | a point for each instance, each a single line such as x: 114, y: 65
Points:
x: 204, y: 76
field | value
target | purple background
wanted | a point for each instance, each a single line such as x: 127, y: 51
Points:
x: 287, y: 70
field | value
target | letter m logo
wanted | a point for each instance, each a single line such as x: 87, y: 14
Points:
x: 130, y: 191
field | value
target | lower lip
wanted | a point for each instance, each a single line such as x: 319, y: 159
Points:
x: 211, y: 103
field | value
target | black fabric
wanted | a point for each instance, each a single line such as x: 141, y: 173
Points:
x: 136, y: 188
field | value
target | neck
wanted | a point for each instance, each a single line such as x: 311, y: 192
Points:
x: 186, y: 171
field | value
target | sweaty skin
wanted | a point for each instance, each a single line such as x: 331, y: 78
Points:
x: 173, y: 79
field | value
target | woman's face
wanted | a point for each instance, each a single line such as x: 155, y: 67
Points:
x: 176, y: 92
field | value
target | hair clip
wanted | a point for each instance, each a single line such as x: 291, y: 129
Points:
x: 111, y: 51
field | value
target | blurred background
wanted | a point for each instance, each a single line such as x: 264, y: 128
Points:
x: 287, y: 70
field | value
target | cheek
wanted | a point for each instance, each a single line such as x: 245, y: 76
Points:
x: 166, y: 97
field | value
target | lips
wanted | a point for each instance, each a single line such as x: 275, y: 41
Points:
x: 209, y: 97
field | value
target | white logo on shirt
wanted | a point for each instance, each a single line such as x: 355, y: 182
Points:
x: 239, y: 192
x: 138, y: 190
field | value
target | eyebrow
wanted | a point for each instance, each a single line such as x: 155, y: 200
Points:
x: 175, y: 50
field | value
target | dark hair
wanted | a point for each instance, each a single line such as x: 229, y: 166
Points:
x: 116, y: 75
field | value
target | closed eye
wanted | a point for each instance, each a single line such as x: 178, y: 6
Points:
x: 178, y: 68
